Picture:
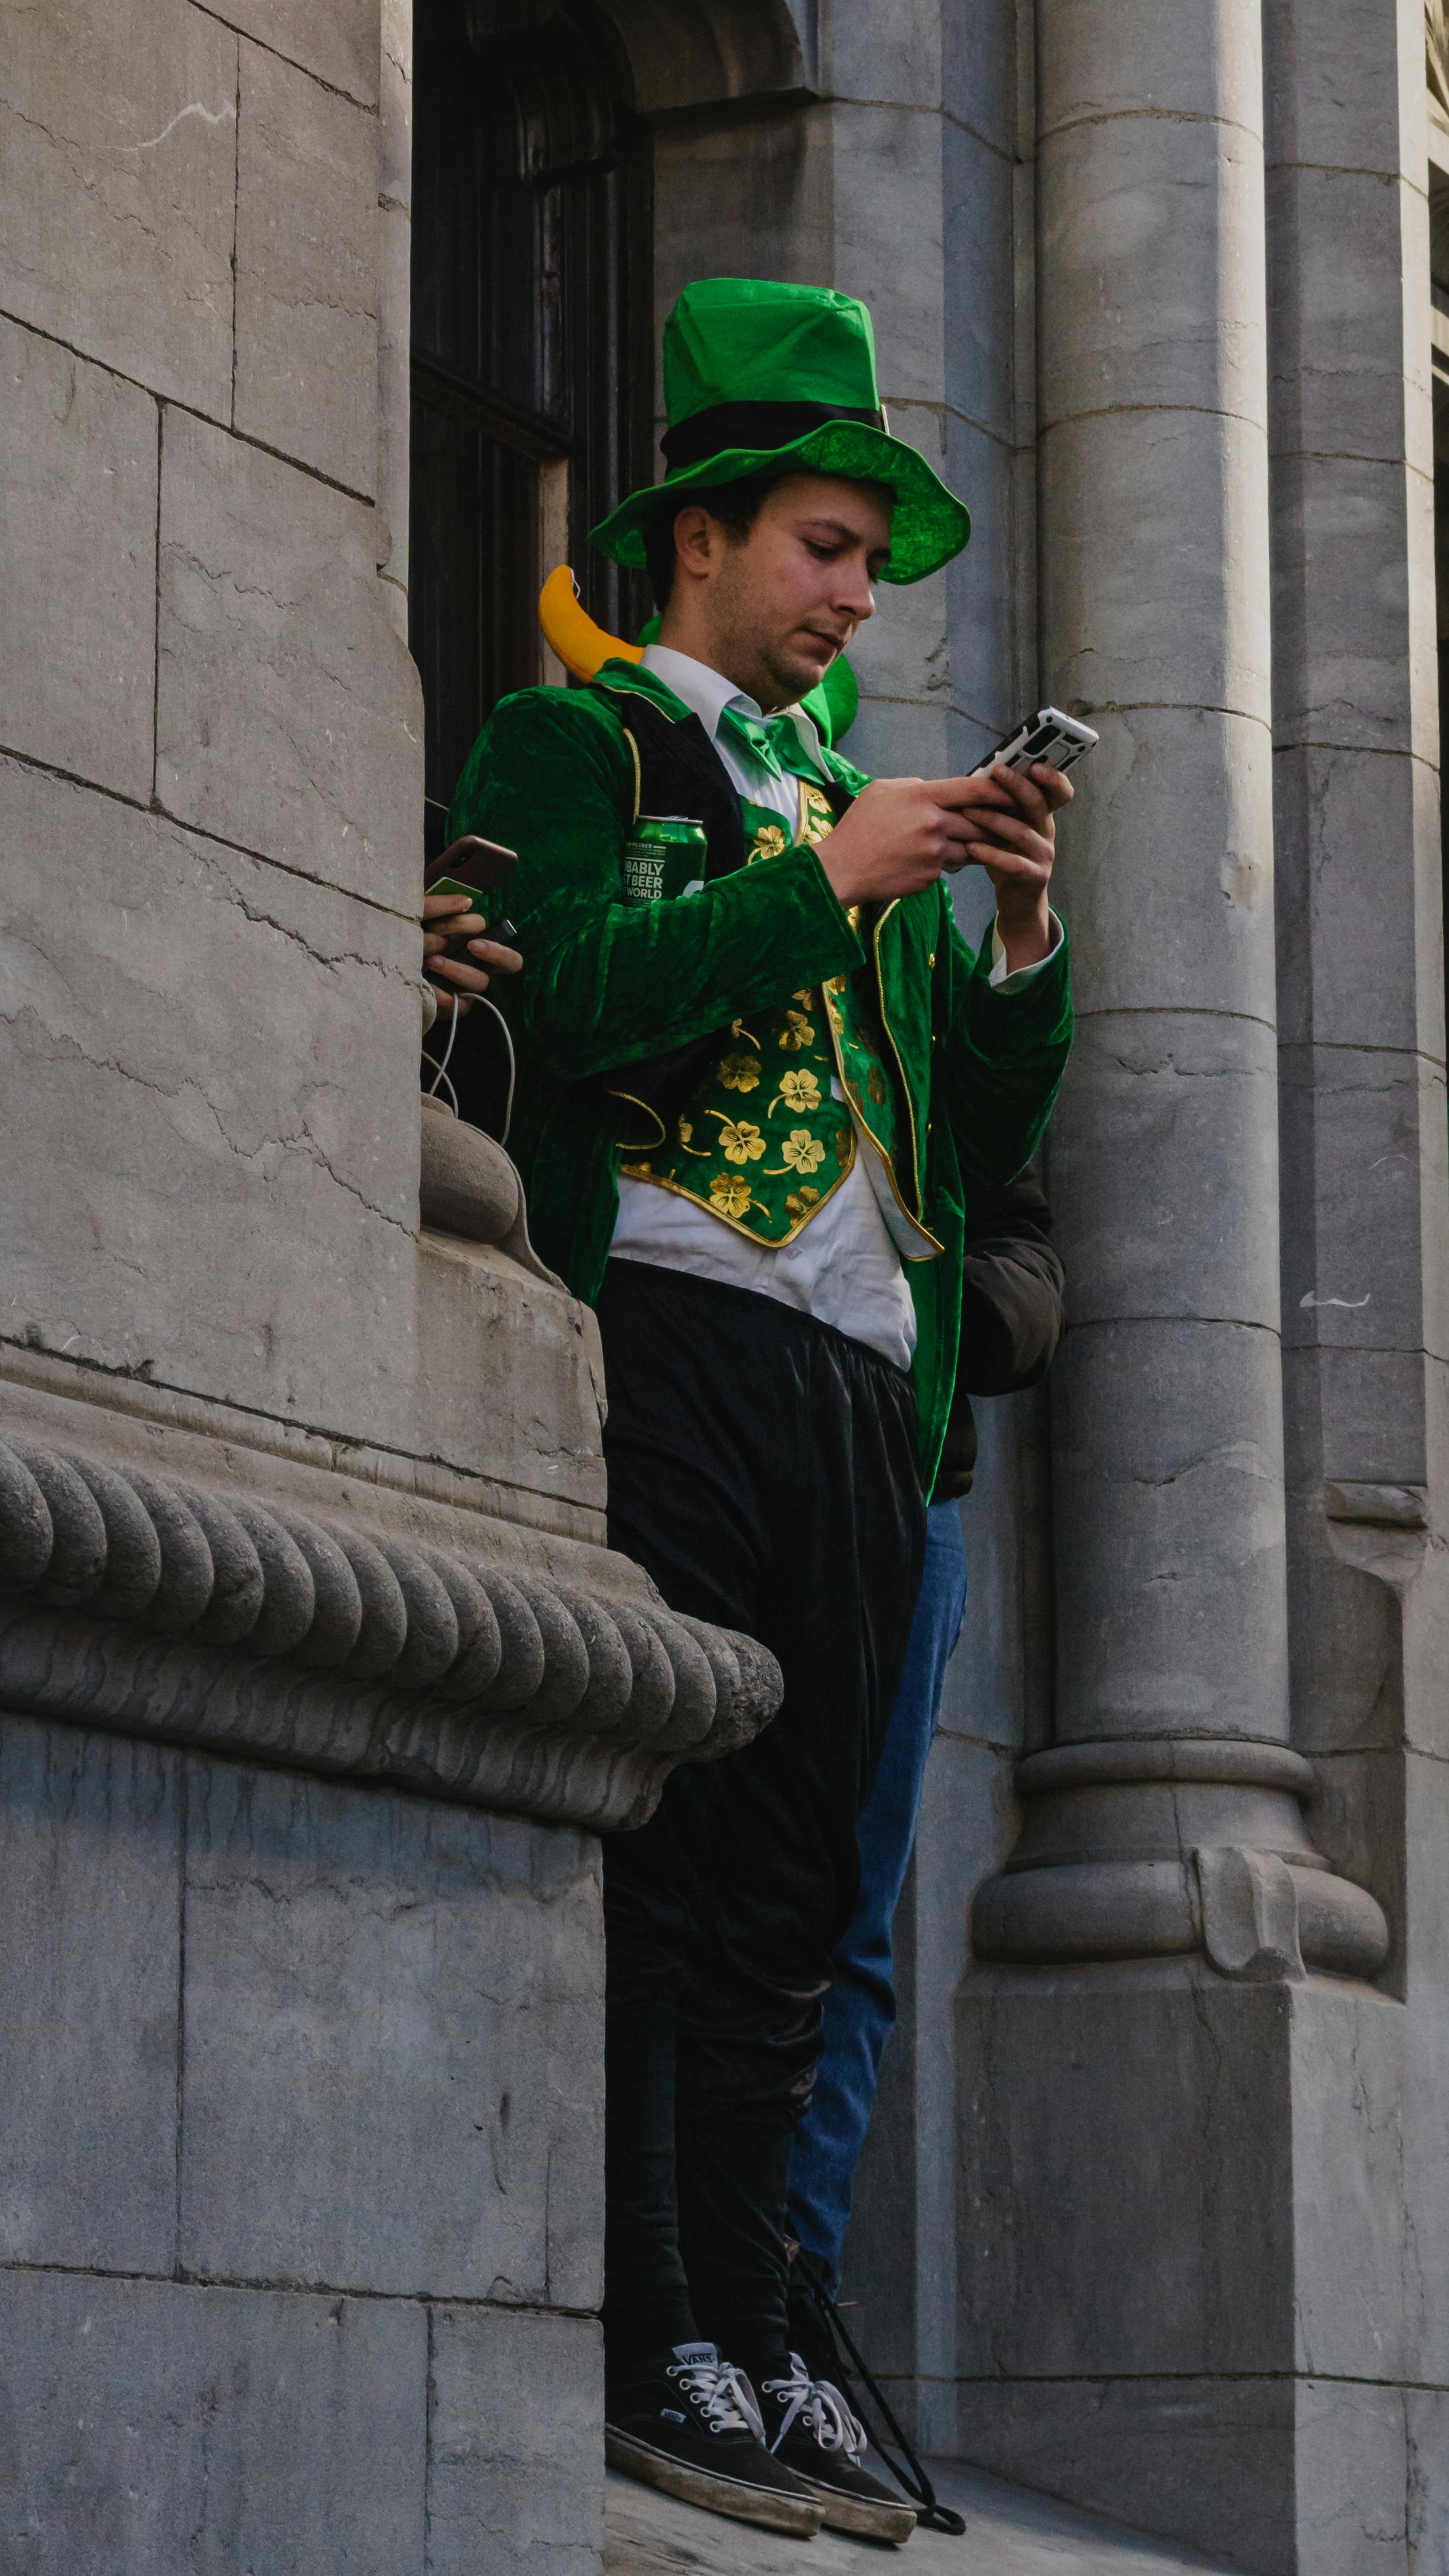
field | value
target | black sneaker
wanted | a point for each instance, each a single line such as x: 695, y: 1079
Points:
x: 691, y: 2427
x: 810, y: 2428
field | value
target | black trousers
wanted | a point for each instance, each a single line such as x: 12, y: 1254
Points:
x: 764, y: 1468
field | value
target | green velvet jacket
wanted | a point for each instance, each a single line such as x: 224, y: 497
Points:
x: 606, y: 984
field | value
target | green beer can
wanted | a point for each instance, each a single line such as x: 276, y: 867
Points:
x: 664, y: 855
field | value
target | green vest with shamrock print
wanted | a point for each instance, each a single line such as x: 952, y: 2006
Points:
x: 762, y: 1143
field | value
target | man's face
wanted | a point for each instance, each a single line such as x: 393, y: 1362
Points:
x: 776, y: 606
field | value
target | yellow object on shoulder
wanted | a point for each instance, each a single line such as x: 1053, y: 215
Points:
x: 581, y: 646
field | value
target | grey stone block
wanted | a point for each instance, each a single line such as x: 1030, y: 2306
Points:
x: 306, y: 283
x: 1360, y: 917
x: 119, y: 184
x: 90, y: 1881
x: 1351, y: 262
x: 515, y: 2445
x: 867, y: 57
x: 1146, y: 528
x: 1126, y: 886
x: 392, y: 2077
x: 722, y: 188
x: 527, y: 1413
x: 981, y: 621
x: 892, y: 738
x: 337, y: 40
x: 1169, y: 1525
x: 980, y: 283
x: 1353, y: 2490
x: 1354, y: 541
x: 982, y: 77
x: 1363, y: 1159
x: 1209, y: 2462
x: 1341, y: 79
x: 1151, y: 236
x: 154, y: 2425
x: 78, y: 670
x: 288, y: 709
x: 226, y: 1184
x: 1185, y: 1104
x: 1113, y: 58
x: 888, y: 238
x: 1426, y: 2420
x: 1165, y: 2090
x: 1360, y: 2275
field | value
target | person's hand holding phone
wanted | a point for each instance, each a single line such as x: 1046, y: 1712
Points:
x: 455, y: 930
x: 454, y: 935
x: 1010, y: 830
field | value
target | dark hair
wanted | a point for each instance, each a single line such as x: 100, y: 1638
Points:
x: 735, y: 505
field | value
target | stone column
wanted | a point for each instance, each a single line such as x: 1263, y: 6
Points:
x: 1166, y: 1928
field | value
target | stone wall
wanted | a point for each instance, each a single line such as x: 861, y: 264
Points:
x: 302, y: 1562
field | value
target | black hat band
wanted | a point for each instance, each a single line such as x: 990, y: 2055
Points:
x: 753, y: 424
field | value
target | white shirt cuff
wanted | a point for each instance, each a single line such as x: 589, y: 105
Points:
x: 998, y: 979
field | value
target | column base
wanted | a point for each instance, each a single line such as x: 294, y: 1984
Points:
x: 1199, y: 2286
x: 1158, y: 1847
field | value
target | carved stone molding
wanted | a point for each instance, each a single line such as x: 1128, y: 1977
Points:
x: 164, y: 1608
x: 1153, y: 1847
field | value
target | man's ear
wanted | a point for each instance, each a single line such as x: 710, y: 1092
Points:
x: 694, y: 534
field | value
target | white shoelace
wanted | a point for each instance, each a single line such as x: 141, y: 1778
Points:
x: 722, y: 2394
x: 819, y: 2406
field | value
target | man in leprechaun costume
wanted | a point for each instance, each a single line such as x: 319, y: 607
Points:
x: 748, y: 1108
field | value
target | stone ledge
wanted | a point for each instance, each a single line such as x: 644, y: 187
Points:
x: 162, y: 1608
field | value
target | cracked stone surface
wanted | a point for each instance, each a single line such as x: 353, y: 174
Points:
x: 335, y: 40
x: 392, y: 2076
x: 160, y: 2424
x: 289, y: 716
x: 306, y: 291
x: 233, y: 1190
x: 116, y: 199
x: 77, y: 649
x: 514, y: 2444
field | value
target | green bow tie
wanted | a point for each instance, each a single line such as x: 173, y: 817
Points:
x: 773, y: 741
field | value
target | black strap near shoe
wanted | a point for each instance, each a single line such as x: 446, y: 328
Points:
x: 852, y: 2367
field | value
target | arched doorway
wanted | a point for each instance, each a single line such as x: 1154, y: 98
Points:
x: 532, y: 391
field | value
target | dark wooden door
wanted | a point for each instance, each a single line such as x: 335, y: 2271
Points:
x: 532, y: 374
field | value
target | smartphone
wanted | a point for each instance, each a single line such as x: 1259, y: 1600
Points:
x: 489, y: 861
x: 1048, y: 735
x: 486, y: 864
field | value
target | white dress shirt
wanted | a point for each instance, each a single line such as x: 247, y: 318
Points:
x: 845, y: 1266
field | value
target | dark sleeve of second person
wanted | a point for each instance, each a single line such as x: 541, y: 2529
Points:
x: 1012, y: 1312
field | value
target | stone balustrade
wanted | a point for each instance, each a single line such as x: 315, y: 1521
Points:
x: 160, y: 1607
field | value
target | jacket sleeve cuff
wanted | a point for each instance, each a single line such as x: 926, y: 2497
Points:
x: 1016, y: 982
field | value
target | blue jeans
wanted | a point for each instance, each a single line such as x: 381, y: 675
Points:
x: 861, y: 2004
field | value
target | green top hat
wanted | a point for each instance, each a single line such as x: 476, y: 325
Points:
x: 759, y: 376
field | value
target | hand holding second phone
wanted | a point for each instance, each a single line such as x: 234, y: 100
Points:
x: 447, y: 919
x: 902, y: 832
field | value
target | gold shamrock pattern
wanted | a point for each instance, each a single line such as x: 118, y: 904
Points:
x: 802, y: 1151
x: 843, y: 1142
x: 818, y: 818
x: 742, y: 1143
x: 739, y: 1073
x: 801, y: 1203
x: 798, y: 1091
x: 798, y: 1032
x: 770, y: 840
x: 728, y: 1195
x: 877, y: 1086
